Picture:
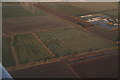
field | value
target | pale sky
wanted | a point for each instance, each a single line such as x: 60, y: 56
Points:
x: 60, y: 0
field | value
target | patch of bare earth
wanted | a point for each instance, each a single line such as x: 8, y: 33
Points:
x: 102, y: 67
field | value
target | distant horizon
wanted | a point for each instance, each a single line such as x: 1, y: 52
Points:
x: 60, y: 0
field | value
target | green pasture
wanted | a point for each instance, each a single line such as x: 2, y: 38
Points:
x: 7, y: 56
x: 112, y: 12
x: 16, y: 10
x: 28, y: 49
x: 73, y: 40
x: 109, y: 35
x: 68, y: 9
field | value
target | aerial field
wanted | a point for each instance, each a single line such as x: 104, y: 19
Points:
x: 28, y: 49
x: 96, y: 6
x: 81, y: 8
x: 16, y: 10
x: 7, y: 56
x: 76, y: 40
x: 112, y: 13
x: 110, y: 35
x: 16, y: 16
x: 49, y: 40
x: 101, y: 67
x: 54, y: 44
x: 33, y: 24
x: 67, y: 9
x: 52, y: 70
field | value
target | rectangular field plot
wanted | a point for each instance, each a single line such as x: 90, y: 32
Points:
x: 70, y: 41
x: 7, y: 56
x: 102, y: 67
x: 17, y: 10
x: 110, y: 35
x: 96, y: 6
x: 67, y: 8
x: 29, y: 49
x: 54, y: 44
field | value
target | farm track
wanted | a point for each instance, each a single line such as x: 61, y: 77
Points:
x: 77, y: 76
x: 43, y: 44
x: 64, y: 16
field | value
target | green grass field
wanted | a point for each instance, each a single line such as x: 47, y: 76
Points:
x: 112, y: 12
x: 54, y: 44
x: 67, y: 8
x: 16, y: 10
x: 7, y: 57
x: 96, y: 6
x: 28, y: 49
x: 75, y: 40
x: 110, y: 35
